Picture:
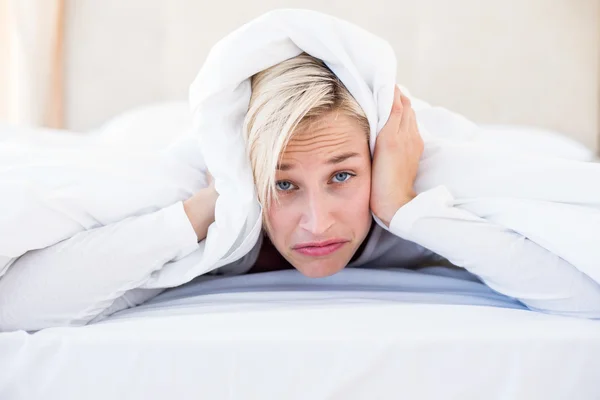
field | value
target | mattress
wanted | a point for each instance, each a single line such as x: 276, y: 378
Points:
x: 361, y: 334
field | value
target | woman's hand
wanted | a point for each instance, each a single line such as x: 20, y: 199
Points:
x: 200, y: 208
x: 396, y: 158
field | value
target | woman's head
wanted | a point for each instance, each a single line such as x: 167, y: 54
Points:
x: 307, y: 140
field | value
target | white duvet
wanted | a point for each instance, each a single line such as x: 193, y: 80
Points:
x: 50, y: 193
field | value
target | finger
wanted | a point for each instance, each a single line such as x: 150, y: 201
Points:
x: 414, y: 125
x: 413, y: 119
x: 393, y: 123
x: 398, y: 104
x: 405, y: 100
x: 407, y: 114
x: 417, y: 138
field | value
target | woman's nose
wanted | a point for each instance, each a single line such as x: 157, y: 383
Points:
x: 317, y: 217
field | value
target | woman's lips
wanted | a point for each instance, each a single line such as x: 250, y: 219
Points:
x: 320, y: 249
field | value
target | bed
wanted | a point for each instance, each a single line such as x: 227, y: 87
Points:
x: 432, y: 333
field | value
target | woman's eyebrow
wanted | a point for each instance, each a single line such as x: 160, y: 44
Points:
x: 342, y: 157
x: 284, y: 167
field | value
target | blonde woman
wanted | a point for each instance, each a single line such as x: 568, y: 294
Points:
x: 307, y: 139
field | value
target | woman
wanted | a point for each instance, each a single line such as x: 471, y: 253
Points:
x: 318, y: 195
x: 307, y: 140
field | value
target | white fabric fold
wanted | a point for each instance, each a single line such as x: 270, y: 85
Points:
x: 48, y: 195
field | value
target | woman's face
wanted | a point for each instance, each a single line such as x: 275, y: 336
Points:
x: 323, y: 185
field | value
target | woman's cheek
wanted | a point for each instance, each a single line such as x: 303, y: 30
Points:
x: 280, y: 213
x: 357, y: 190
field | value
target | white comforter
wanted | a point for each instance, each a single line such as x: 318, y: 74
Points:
x: 50, y: 193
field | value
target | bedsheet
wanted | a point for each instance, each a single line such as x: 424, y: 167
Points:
x: 362, y: 334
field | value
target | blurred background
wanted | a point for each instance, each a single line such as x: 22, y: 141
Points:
x: 76, y: 64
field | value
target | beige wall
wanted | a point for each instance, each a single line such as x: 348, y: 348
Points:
x: 530, y: 62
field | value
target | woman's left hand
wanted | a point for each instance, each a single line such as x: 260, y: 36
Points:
x: 200, y: 208
x: 398, y: 149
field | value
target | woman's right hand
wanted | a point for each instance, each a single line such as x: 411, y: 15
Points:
x: 200, y: 208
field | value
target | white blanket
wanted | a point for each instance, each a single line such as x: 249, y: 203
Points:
x: 49, y: 194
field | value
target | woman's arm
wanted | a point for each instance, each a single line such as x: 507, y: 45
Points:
x: 508, y: 262
x: 505, y: 260
x: 74, y: 281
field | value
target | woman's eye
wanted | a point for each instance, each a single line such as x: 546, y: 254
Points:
x: 341, y: 177
x: 284, y: 185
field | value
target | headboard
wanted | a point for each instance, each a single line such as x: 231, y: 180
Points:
x: 533, y: 62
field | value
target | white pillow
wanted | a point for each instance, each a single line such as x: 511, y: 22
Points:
x: 40, y: 137
x: 157, y: 125
x: 148, y: 127
x: 530, y: 140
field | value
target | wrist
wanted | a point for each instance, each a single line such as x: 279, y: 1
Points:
x: 390, y: 211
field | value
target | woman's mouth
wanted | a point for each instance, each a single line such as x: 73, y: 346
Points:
x: 320, y: 249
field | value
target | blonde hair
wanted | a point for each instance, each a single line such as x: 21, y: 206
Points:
x: 287, y: 98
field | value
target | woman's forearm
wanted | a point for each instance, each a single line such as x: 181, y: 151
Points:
x: 73, y: 281
x: 505, y: 260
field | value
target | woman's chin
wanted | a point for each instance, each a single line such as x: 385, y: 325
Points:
x: 320, y: 268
